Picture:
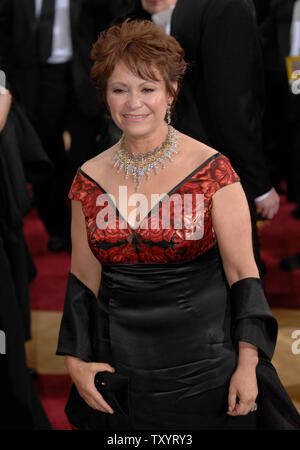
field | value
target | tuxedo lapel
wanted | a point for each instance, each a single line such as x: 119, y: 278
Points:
x: 284, y: 20
x: 29, y: 10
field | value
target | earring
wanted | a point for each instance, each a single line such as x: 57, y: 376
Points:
x: 168, y: 115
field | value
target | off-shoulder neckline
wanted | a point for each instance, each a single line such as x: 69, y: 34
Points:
x: 190, y: 175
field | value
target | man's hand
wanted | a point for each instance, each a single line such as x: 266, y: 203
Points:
x: 269, y: 206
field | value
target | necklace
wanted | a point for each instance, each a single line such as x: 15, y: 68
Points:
x: 141, y: 164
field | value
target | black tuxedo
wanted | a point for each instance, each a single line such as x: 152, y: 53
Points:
x: 221, y: 101
x: 18, y: 49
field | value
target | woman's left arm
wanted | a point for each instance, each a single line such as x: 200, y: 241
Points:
x: 232, y: 225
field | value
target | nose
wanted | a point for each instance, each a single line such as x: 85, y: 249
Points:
x: 133, y: 101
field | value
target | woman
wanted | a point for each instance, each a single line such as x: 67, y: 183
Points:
x: 180, y: 314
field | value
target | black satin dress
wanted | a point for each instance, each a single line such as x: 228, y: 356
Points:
x: 165, y: 317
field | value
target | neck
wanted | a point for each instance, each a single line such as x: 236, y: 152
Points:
x: 145, y: 143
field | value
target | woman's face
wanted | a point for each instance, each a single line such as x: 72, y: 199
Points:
x: 137, y: 106
x: 155, y: 6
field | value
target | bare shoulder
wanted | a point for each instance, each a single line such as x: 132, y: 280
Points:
x: 97, y: 167
x: 196, y: 151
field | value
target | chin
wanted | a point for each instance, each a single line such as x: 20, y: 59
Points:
x: 137, y: 129
x: 154, y: 7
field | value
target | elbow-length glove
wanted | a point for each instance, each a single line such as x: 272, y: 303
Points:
x: 84, y: 329
x: 76, y: 329
x: 252, y: 319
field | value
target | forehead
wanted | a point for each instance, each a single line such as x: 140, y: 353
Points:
x: 123, y: 73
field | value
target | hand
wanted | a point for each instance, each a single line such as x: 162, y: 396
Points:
x: 243, y: 384
x: 268, y: 207
x: 5, y: 103
x: 83, y: 376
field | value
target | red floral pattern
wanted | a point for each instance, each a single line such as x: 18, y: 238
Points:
x: 152, y: 242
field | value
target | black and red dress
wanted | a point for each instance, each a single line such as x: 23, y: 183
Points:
x: 165, y: 317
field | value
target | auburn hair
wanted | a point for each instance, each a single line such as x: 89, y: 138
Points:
x: 143, y: 47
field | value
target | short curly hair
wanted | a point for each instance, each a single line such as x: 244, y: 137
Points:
x: 143, y: 47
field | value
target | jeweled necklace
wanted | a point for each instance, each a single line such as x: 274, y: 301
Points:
x: 141, y: 164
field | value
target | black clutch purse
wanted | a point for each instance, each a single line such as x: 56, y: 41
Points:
x: 114, y: 389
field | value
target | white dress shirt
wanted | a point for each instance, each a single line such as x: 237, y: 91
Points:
x: 295, y: 30
x: 262, y: 197
x: 163, y: 19
x: 62, y: 42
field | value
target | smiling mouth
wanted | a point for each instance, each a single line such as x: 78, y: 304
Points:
x: 135, y: 116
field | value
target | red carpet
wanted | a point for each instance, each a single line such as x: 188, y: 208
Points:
x: 53, y: 391
x: 47, y: 290
x: 280, y: 238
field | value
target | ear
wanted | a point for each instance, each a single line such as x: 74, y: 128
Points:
x: 175, y: 87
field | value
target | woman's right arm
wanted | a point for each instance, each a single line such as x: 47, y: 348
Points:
x: 84, y: 265
x: 87, y: 269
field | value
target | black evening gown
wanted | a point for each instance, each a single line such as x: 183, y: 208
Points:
x: 165, y: 317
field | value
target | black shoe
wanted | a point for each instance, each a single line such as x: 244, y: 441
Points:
x: 290, y: 263
x: 296, y: 212
x: 58, y: 244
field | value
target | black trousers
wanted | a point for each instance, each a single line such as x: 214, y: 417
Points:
x: 57, y: 111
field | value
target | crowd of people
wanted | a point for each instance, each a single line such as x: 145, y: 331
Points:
x: 228, y: 89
